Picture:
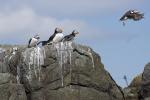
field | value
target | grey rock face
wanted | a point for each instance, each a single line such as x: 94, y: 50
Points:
x: 9, y: 90
x: 63, y: 71
x: 132, y: 91
x: 3, y: 67
x: 139, y: 89
x: 69, y: 72
x: 145, y: 87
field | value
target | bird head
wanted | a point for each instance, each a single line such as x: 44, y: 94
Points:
x: 75, y: 32
x: 37, y: 36
x: 123, y: 18
x: 58, y: 30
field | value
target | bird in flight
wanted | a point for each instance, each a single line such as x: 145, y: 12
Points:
x: 134, y: 15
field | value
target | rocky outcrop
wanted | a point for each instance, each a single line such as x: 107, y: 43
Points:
x: 132, y: 91
x: 145, y: 87
x: 139, y: 89
x: 9, y: 89
x: 136, y: 82
x: 63, y: 71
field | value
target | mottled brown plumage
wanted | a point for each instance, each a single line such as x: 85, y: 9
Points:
x: 133, y: 15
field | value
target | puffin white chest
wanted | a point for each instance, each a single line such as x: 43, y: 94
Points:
x: 58, y: 37
x: 33, y: 42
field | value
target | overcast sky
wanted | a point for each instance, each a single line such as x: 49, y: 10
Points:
x: 123, y: 50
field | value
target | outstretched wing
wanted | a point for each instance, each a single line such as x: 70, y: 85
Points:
x: 138, y: 17
x: 124, y: 17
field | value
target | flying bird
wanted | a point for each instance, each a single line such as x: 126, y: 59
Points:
x: 133, y: 15
x: 71, y: 36
x: 33, y: 41
x: 56, y: 37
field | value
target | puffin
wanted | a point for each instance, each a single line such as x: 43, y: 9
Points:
x: 55, y: 38
x: 134, y: 15
x: 71, y: 36
x: 33, y: 41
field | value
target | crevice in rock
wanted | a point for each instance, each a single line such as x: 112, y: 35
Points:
x: 28, y: 94
x: 81, y: 53
x: 53, y: 81
x: 89, y: 86
x: 117, y: 86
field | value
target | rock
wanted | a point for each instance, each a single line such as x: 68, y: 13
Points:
x: 137, y: 81
x: 63, y: 71
x: 145, y: 87
x: 132, y: 91
x: 3, y: 67
x: 8, y: 61
x: 69, y: 72
x: 9, y: 90
x: 7, y: 78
